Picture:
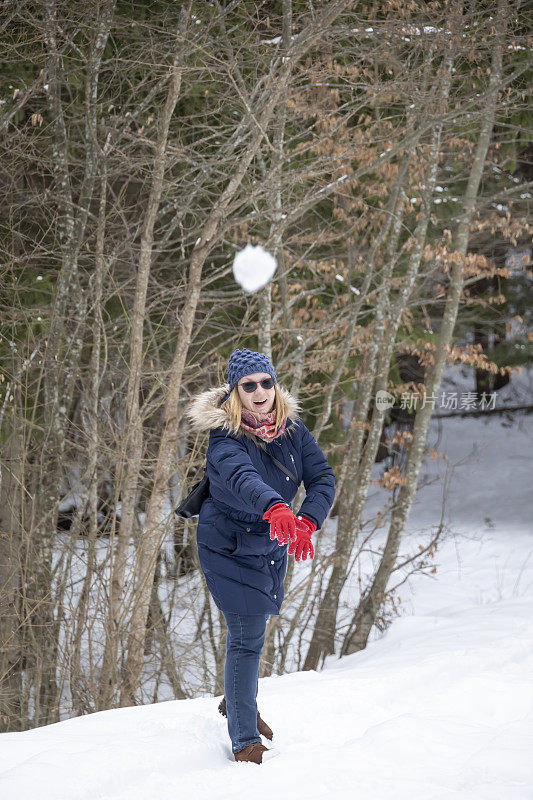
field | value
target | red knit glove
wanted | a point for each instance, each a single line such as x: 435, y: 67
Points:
x: 303, y: 546
x: 282, y: 523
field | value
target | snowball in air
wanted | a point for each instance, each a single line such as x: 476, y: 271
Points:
x: 253, y: 267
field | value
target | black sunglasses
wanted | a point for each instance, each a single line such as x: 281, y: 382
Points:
x: 251, y: 386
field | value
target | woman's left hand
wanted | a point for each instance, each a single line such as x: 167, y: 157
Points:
x: 303, y: 546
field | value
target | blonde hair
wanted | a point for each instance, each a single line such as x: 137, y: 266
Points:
x: 233, y: 407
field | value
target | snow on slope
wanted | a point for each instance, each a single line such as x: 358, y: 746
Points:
x: 439, y: 707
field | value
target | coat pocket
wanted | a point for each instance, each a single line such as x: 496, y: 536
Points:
x: 253, y: 542
x: 218, y: 535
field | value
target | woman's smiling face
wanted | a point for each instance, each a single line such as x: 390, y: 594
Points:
x: 262, y: 400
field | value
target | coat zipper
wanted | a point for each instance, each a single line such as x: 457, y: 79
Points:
x: 294, y: 465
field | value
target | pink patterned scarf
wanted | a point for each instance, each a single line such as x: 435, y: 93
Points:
x: 263, y: 426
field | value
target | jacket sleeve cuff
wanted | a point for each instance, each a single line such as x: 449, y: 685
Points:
x: 309, y: 516
x: 273, y: 503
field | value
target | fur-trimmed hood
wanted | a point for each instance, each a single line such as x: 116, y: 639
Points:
x: 204, y: 412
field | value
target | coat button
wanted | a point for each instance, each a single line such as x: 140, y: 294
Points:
x: 275, y: 597
x: 271, y: 562
x: 287, y: 478
x: 248, y: 529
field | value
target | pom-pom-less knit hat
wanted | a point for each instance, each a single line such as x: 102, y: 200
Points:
x: 246, y: 362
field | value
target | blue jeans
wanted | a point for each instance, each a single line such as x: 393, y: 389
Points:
x: 244, y: 642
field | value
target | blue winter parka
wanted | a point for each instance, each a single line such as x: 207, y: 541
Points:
x: 244, y: 569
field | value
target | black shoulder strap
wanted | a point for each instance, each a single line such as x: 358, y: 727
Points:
x: 282, y: 467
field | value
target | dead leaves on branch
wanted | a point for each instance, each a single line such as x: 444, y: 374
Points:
x: 391, y: 479
x: 472, y: 355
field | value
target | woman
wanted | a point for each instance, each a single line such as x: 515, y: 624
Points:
x: 245, y: 525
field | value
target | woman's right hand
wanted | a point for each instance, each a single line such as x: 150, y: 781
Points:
x: 282, y: 523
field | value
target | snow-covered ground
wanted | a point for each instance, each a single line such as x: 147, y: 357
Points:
x: 440, y: 706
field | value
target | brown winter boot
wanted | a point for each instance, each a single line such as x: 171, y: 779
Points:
x: 262, y: 727
x: 254, y: 752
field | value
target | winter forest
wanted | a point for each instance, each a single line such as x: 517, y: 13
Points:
x: 381, y: 154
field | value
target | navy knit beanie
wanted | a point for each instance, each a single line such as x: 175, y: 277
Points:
x: 246, y: 362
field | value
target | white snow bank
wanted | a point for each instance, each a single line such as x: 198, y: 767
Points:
x: 441, y: 706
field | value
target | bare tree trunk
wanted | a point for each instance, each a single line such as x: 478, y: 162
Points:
x: 218, y: 648
x: 161, y: 629
x: 133, y: 443
x: 80, y: 616
x: 11, y: 653
x: 370, y: 603
x: 62, y: 355
x: 360, y: 462
x: 322, y: 641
